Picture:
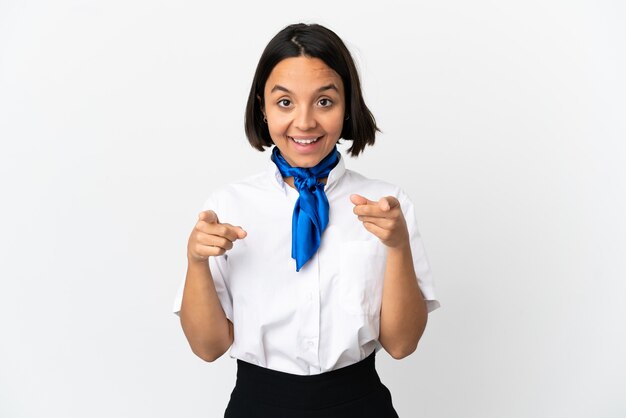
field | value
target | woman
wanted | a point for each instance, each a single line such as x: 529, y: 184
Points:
x: 307, y: 269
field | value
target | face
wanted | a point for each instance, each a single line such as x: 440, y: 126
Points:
x: 304, y: 106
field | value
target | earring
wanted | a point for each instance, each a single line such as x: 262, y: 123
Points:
x: 265, y: 119
x: 347, y: 117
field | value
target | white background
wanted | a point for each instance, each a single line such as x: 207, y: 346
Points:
x: 505, y: 122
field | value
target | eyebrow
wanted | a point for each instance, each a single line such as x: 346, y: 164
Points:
x: 321, y: 89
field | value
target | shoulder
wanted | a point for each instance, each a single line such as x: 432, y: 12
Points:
x: 357, y: 181
x: 257, y: 181
x: 239, y: 191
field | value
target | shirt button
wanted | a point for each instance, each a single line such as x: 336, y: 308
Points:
x: 310, y: 344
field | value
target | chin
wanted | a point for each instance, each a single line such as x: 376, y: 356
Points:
x: 306, y: 162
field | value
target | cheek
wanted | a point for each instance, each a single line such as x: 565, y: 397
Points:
x: 277, y: 124
x: 335, y: 125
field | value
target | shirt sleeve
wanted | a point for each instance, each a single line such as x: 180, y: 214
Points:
x: 218, y: 266
x: 420, y: 259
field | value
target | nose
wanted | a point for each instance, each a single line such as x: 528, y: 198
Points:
x: 305, y: 119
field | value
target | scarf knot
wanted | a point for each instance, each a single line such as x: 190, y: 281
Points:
x: 311, y: 211
x: 306, y: 180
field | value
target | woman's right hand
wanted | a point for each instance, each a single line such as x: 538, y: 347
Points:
x: 210, y: 237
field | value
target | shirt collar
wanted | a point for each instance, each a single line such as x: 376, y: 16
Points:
x: 333, y: 177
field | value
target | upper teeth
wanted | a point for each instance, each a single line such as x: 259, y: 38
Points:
x: 305, y: 141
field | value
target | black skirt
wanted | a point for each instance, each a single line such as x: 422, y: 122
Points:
x: 352, y: 391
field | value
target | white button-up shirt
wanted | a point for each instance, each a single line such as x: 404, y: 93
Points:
x: 327, y: 315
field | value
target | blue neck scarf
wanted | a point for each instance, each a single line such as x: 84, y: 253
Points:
x: 310, y: 214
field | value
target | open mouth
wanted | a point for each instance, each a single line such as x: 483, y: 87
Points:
x: 304, y: 140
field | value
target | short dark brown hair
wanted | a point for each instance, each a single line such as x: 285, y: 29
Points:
x: 315, y: 41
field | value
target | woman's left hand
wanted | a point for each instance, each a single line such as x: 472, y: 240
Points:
x: 383, y: 219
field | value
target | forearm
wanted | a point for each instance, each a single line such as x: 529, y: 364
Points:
x: 403, y: 314
x: 204, y: 323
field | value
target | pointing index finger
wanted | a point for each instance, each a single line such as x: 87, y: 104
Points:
x: 232, y: 232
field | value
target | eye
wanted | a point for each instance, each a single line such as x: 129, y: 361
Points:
x: 325, y: 102
x: 284, y: 102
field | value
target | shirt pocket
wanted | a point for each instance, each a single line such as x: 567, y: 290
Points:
x: 361, y: 276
